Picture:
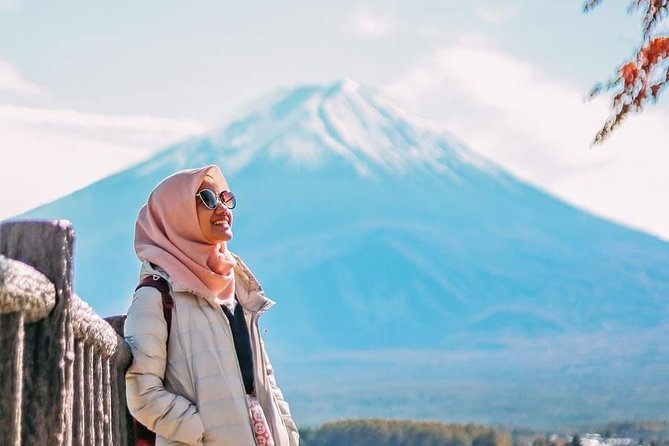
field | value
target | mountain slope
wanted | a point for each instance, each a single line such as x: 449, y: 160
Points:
x: 375, y: 234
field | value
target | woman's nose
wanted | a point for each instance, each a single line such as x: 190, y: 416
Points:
x: 221, y: 208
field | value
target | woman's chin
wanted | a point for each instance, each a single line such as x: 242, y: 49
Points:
x: 219, y: 235
x: 224, y: 236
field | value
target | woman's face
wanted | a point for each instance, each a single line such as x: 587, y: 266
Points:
x: 216, y: 224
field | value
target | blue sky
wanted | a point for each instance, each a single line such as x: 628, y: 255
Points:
x: 106, y: 84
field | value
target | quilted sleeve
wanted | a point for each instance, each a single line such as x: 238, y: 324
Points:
x: 167, y: 414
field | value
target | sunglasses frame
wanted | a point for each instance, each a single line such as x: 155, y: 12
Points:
x: 219, y: 199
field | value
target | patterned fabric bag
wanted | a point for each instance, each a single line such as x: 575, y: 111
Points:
x: 259, y: 425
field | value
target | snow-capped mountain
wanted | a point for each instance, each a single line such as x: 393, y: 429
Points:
x: 414, y: 277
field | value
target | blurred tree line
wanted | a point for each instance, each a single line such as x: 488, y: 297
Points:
x: 377, y: 432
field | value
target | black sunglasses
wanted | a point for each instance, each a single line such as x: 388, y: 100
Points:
x: 211, y: 200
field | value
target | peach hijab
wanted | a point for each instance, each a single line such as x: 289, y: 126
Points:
x: 168, y: 234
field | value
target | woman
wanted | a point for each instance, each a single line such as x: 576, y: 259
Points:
x: 213, y: 384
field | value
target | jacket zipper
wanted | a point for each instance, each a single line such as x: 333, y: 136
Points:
x: 258, y: 363
x: 262, y: 367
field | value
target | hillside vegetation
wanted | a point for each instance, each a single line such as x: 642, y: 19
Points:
x: 376, y: 432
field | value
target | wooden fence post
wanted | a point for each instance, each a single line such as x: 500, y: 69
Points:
x: 11, y: 365
x: 123, y: 425
x: 47, y: 246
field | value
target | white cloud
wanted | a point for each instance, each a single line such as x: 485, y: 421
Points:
x: 72, y: 118
x: 47, y: 153
x: 369, y: 24
x: 12, y: 81
x: 541, y: 129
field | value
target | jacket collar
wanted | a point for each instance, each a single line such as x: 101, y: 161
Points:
x: 247, y: 288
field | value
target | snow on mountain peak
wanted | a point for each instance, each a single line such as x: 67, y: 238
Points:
x: 308, y: 125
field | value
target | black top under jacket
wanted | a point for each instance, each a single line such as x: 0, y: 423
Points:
x: 240, y: 334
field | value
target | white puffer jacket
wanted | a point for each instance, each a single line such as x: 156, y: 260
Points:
x: 192, y: 392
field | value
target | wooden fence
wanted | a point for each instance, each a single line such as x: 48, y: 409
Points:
x: 61, y: 365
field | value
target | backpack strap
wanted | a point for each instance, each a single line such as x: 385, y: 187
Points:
x: 159, y: 283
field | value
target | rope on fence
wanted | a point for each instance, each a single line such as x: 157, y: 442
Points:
x: 92, y: 329
x: 24, y: 289
x: 99, y: 348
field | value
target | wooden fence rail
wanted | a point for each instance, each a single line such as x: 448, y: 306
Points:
x: 62, y: 366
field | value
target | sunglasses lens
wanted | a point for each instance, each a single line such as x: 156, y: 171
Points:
x: 209, y: 198
x: 228, y: 198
